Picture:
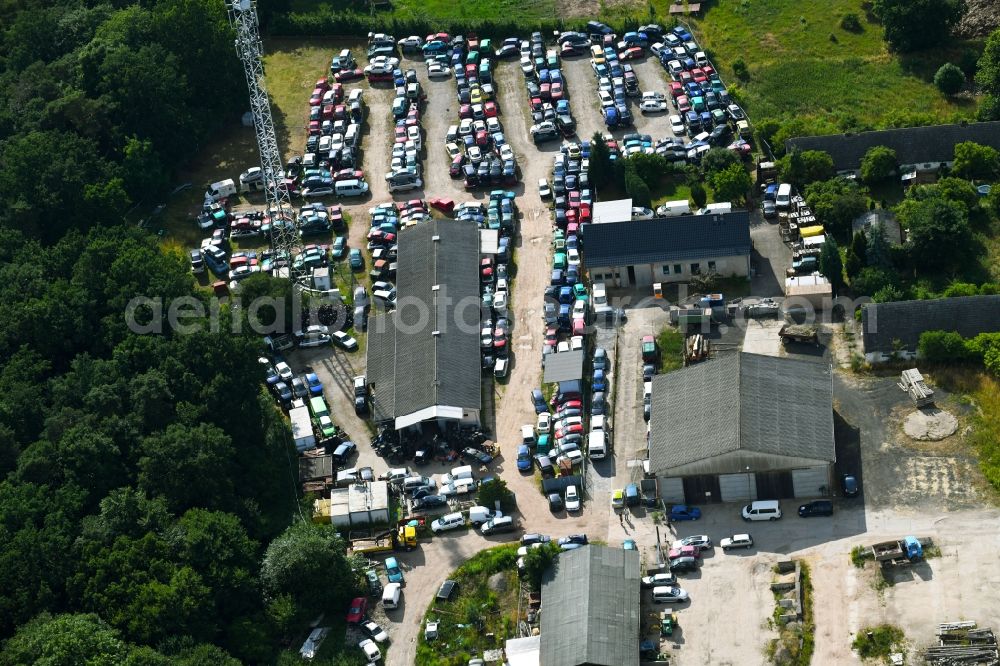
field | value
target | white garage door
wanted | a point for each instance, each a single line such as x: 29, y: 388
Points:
x: 672, y: 490
x: 734, y: 487
x: 807, y: 481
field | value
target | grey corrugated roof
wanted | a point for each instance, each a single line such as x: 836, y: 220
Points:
x: 564, y: 366
x: 423, y: 369
x: 667, y: 239
x: 742, y: 402
x: 913, y: 145
x: 884, y: 323
x: 590, y: 608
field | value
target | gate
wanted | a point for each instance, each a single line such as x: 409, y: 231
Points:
x: 703, y: 489
x: 775, y: 485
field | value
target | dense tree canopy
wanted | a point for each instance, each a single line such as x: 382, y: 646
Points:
x: 836, y: 203
x: 911, y: 25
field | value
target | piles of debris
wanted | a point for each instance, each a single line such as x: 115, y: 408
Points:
x: 963, y: 643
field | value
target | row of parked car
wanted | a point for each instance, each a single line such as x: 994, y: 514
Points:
x: 548, y: 97
x: 405, y: 171
x: 495, y: 278
x: 333, y: 144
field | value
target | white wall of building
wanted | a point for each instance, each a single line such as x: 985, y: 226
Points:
x: 675, y: 271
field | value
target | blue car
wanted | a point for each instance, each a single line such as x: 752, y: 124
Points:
x: 392, y: 570
x: 315, y: 385
x: 356, y: 260
x: 523, y: 458
x: 680, y: 512
x: 600, y: 382
x: 538, y: 401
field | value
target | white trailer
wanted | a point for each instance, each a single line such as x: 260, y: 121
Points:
x: 302, y: 430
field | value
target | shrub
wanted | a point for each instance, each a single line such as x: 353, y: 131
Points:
x: 698, y: 195
x: 878, y: 642
x: 942, y: 346
x: 851, y: 23
x: 949, y: 79
x: 740, y: 70
x: 878, y: 164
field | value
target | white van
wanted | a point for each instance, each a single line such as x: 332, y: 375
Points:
x: 452, y: 134
x: 352, y: 135
x: 501, y: 368
x: 528, y: 435
x: 350, y: 188
x: 597, y: 444
x: 480, y: 514
x: 784, y: 199
x: 220, y: 190
x: 762, y: 510
x: 463, y: 472
x: 391, y: 595
x: 674, y: 208
x: 717, y: 208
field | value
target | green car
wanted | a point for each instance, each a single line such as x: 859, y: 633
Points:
x: 339, y: 247
x: 326, y: 426
x: 559, y: 260
x: 355, y: 259
x: 311, y: 257
x: 580, y: 292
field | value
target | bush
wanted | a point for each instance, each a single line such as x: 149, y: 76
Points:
x: 884, y: 638
x: 878, y: 164
x: 949, y: 79
x: 851, y: 23
x: 740, y: 70
x: 942, y: 346
x: 495, y: 491
x: 698, y: 195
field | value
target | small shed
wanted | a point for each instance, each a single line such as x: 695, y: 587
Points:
x: 812, y: 290
x: 489, y: 241
x: 360, y: 504
x: 315, y: 467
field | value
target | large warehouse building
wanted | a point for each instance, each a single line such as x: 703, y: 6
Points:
x: 423, y: 358
x: 743, y: 426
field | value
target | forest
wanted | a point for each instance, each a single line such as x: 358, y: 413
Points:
x: 147, y: 487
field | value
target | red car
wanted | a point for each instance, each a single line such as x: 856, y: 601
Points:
x: 572, y: 217
x: 482, y: 138
x: 490, y: 109
x: 375, y: 77
x: 314, y: 128
x: 676, y: 89
x: 356, y: 611
x: 551, y: 337
x: 545, y: 91
x: 683, y: 104
x: 708, y: 69
x: 574, y: 199
x: 415, y: 204
x: 338, y: 92
x: 536, y: 103
x: 686, y: 77
x: 446, y: 206
x: 322, y: 83
x: 568, y: 49
x: 568, y: 430
x: 471, y: 72
x: 317, y: 97
x: 556, y: 91
x: 486, y: 269
x: 340, y: 112
x: 579, y: 326
x: 584, y: 212
x: 698, y: 75
x: 348, y: 174
x: 633, y: 53
x: 327, y: 112
x: 349, y: 74
x: 401, y: 136
x: 571, y: 404
x: 572, y: 228
x: 465, y: 111
x: 455, y: 170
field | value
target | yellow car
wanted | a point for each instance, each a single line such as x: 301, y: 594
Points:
x: 618, y: 499
x: 476, y: 95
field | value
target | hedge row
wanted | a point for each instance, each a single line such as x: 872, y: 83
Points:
x: 327, y: 22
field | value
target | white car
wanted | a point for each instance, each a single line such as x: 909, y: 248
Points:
x: 411, y: 42
x: 544, y: 424
x: 573, y: 259
x: 656, y: 49
x: 283, y: 371
x: 374, y: 631
x: 669, y: 595
x: 675, y: 68
x: 344, y: 340
x: 658, y: 580
x: 677, y: 125
x: 604, y: 83
x: 579, y: 308
x: 447, y: 522
x: 640, y: 213
x: 437, y: 70
x: 372, y: 653
x: 653, y: 95
x: 606, y: 98
x: 576, y: 343
x: 384, y: 61
x: 336, y: 142
x: 475, y: 154
x: 736, y: 541
x: 465, y: 127
x: 543, y: 189
x: 413, y: 133
x: 500, y: 302
x: 572, y: 499
x: 506, y: 153
x: 700, y: 541
x: 653, y: 106
x: 527, y: 66
x: 502, y: 285
x: 493, y: 125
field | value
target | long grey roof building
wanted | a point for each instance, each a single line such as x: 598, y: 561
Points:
x: 423, y: 357
x: 913, y: 145
x: 896, y: 326
x: 742, y: 410
x: 590, y: 608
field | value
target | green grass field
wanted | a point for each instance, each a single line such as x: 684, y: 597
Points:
x: 804, y: 65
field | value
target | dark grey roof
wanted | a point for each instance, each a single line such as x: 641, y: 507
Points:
x: 590, y: 608
x: 564, y: 366
x: 426, y: 352
x: 913, y: 145
x: 742, y: 402
x: 884, y: 323
x: 667, y: 239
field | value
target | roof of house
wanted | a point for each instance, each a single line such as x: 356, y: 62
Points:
x: 750, y: 403
x: 913, y: 145
x: 882, y: 324
x: 667, y: 239
x: 562, y: 367
x: 619, y: 210
x: 591, y: 601
x: 426, y: 352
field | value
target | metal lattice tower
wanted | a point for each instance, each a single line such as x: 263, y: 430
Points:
x: 284, y: 231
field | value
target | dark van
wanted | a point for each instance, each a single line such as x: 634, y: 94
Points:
x: 816, y: 508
